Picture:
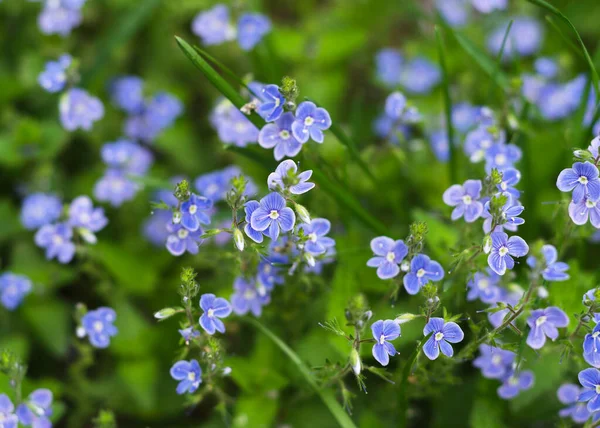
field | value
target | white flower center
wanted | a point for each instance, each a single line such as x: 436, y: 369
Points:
x: 249, y: 294
x: 467, y: 200
x: 308, y: 121
x: 596, y: 334
x: 583, y: 180
x: 267, y: 269
x: 439, y: 336
x: 313, y: 237
x: 274, y: 214
x: 182, y: 233
x: 541, y: 320
x: 590, y: 204
x: 405, y: 266
x: 513, y: 380
x: 210, y: 313
x: 212, y: 188
x: 496, y: 360
x: 420, y: 273
x: 500, y: 159
x: 503, y: 251
x: 277, y: 102
x: 390, y: 256
x: 193, y: 209
x: 240, y: 127
x: 483, y: 284
x: 57, y: 240
x: 84, y: 218
x: 503, y: 185
x: 381, y: 339
x: 191, y: 376
x: 98, y: 326
x: 284, y: 135
x: 597, y: 389
x: 262, y: 291
x: 485, y: 144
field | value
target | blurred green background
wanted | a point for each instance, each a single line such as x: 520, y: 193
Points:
x: 329, y: 47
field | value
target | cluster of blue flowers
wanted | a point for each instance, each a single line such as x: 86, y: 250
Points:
x: 34, y: 411
x: 417, y: 76
x: 214, y: 27
x: 497, y: 363
x: 457, y: 12
x: 60, y: 16
x: 398, y: 119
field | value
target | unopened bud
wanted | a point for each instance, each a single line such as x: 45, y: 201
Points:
x: 80, y: 332
x: 310, y: 259
x: 542, y: 292
x: 165, y: 313
x: 303, y: 214
x: 403, y: 318
x: 355, y: 362
x: 238, y: 239
x: 405, y: 266
x: 487, y: 244
x: 176, y: 217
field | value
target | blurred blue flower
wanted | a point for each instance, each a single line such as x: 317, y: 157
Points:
x: 422, y: 270
x: 310, y: 121
x: 213, y: 26
x: 57, y: 19
x: 114, y: 187
x: 557, y: 101
x: 388, y: 63
x: 501, y: 157
x: 438, y: 140
x: 127, y: 93
x: 128, y: 156
x: 484, y: 286
x: 272, y: 214
x: 56, y: 239
x: 279, y: 135
x: 251, y: 28
x: 544, y: 322
x: 214, y: 308
x: 515, y: 383
x: 383, y: 333
x: 317, y: 242
x: 590, y: 380
x: 162, y: 109
x: 248, y: 297
x: 13, y: 289
x: 232, y: 125
x: 524, y: 39
x: 213, y: 185
x: 395, y: 104
x: 494, y: 363
x: 98, y: 326
x: 503, y: 250
x: 268, y: 273
x: 388, y: 255
x: 7, y: 412
x: 464, y: 116
x: 480, y: 140
x: 465, y: 199
x: 179, y: 239
x: 189, y: 374
x: 586, y: 208
x: 546, y: 67
x: 568, y: 394
x: 37, y: 409
x: 454, y: 12
x: 488, y: 6
x: 285, y: 177
x: 82, y: 214
x: 582, y: 179
x: 54, y: 77
x: 551, y: 269
x: 154, y: 228
x: 420, y: 76
x: 193, y: 212
x: 40, y: 209
x: 78, y: 109
x: 442, y: 334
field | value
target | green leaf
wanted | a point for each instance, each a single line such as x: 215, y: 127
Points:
x: 50, y: 321
x: 326, y: 396
x: 139, y: 377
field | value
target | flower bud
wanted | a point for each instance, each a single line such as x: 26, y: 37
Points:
x: 355, y: 362
x: 580, y: 154
x: 87, y: 235
x: 303, y: 214
x: 238, y: 239
x: 405, y: 266
x: 226, y: 371
x: 165, y: 313
x: 542, y: 292
x: 211, y: 232
x: 80, y: 332
x: 487, y: 244
x: 310, y: 260
x: 176, y: 217
x: 403, y: 318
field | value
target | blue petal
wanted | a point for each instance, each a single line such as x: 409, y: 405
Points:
x: 431, y: 349
x: 380, y: 354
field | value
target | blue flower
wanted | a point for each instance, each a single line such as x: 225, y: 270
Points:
x: 388, y: 255
x: 114, y: 187
x: 72, y: 4
x: 544, y: 322
x: 98, y: 326
x: 438, y: 140
x: 557, y: 101
x: 484, y: 286
x: 525, y: 38
x: 13, y: 289
x: 56, y: 239
x: 551, y: 269
x: 268, y: 273
x: 502, y: 156
x: 163, y: 109
x: 479, y: 141
x: 127, y: 156
x: 586, y: 208
x: 388, y: 64
x: 285, y: 178
x: 310, y: 121
x: 590, y: 380
x: 189, y: 333
x: 442, y: 334
x: 213, y: 26
x: 127, y: 93
x: 37, y: 409
x: 515, y: 383
x: 422, y: 270
x: 272, y: 214
x: 251, y: 28
x: 7, y: 412
x: 568, y: 394
x: 494, y: 363
x: 488, y: 6
x: 420, y: 76
x: 509, y: 219
x: 213, y: 185
x: 232, y: 125
x: 511, y: 297
x: 82, y: 214
x: 189, y: 374
x: 78, y: 109
x: 454, y: 12
x: 464, y: 116
x: 54, y: 77
x: 57, y: 19
x: 466, y: 200
x: 503, y: 248
x: 395, y: 104
x: 582, y: 179
x: 279, y: 135
x: 214, y: 308
x: 249, y: 297
x: 255, y: 235
x: 271, y: 108
x: 179, y: 239
x: 317, y: 242
x: 383, y: 333
x: 192, y: 212
x: 40, y: 209
x: 546, y: 67
x: 591, y: 346
x: 510, y: 177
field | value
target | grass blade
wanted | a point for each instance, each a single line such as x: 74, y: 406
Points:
x: 326, y: 396
x: 403, y: 405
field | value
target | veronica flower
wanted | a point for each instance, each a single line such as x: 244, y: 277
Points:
x: 279, y: 135
x: 466, y: 200
x: 163, y: 109
x: 127, y: 156
x: 286, y: 177
x: 552, y: 269
x: 255, y: 235
x: 310, y: 121
x: 56, y: 239
x: 395, y: 105
x: 442, y: 334
x: 78, y: 109
x: 488, y: 6
x: 82, y: 214
x: 510, y: 297
x: 557, y: 101
x: 271, y: 108
x: 127, y: 93
x: 114, y: 187
x: 501, y: 156
x: 189, y: 374
x: 388, y: 255
x: 479, y: 141
x: 213, y: 26
x: 316, y: 230
x: 590, y: 380
x: 515, y: 383
x: 503, y: 250
x: 13, y: 289
x: 54, y: 77
x: 591, y: 343
x: 383, y: 333
x: 268, y: 274
x: 464, y: 116
x: 454, y: 12
x: 509, y: 216
x: 544, y: 322
x: 388, y: 63
x: 546, y: 67
x: 214, y: 308
x: 40, y: 209
x: 582, y: 179
x: 193, y: 212
x: 524, y: 39
x: 57, y: 19
x: 420, y: 76
x: 422, y: 270
x: 179, y: 239
x: 510, y: 178
x: 568, y: 394
x: 7, y: 412
x: 484, y: 286
x: 272, y: 214
x: 247, y: 297
x: 438, y: 141
x: 37, y: 409
x: 586, y: 208
x: 98, y: 326
x: 251, y: 28
x: 494, y: 363
x: 213, y: 185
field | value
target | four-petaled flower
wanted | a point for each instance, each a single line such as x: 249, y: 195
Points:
x: 213, y: 26
x: 279, y: 135
x: 13, y: 288
x: 422, y: 270
x: 8, y: 419
x: 78, y: 109
x: 271, y: 108
x: 56, y: 239
x: 98, y: 326
x: 83, y: 215
x: 179, y: 240
x: 551, y: 269
x: 40, y: 209
x: 515, y: 383
x: 568, y: 394
x: 214, y: 308
x: 189, y: 374
x: 251, y: 28
x: 37, y: 409
x: 485, y: 287
x: 317, y: 242
x: 54, y: 76
x: 590, y: 380
x: 494, y: 363
x: 544, y: 322
x: 272, y: 214
x: 395, y: 104
x: 383, y: 332
x: 466, y: 200
x: 192, y: 212
x: 285, y: 177
x: 582, y: 179
x: 503, y: 248
x: 442, y: 334
x: 310, y: 121
x: 248, y: 297
x: 388, y: 255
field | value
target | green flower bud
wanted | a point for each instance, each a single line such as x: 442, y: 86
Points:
x: 238, y: 239
x: 303, y: 214
x: 355, y: 362
x: 166, y: 313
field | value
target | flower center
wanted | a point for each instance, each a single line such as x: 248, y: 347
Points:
x: 405, y: 266
x: 191, y: 376
x: 420, y: 273
x: 274, y: 214
x: 596, y: 334
x: 277, y: 102
x: 500, y: 159
x: 249, y: 294
x: 503, y: 185
x: 541, y: 320
x: 313, y: 237
x: 284, y: 135
x: 483, y: 284
x: 583, y: 179
x: 467, y: 200
x: 390, y: 257
x: 590, y: 204
x: 308, y: 121
x: 381, y: 339
x: 193, y: 209
x: 212, y: 188
x: 513, y: 381
x: 210, y: 313
x: 503, y: 251
x: 439, y: 336
x: 84, y: 218
x: 485, y: 144
x: 262, y: 291
x: 597, y: 389
x: 240, y: 127
x: 496, y: 360
x: 98, y: 326
x: 57, y: 240
x: 182, y: 233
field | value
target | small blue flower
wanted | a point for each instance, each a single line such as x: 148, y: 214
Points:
x: 54, y: 77
x: 585, y: 209
x: 383, y: 333
x: 7, y: 412
x: 98, y: 326
x: 82, y: 214
x: 232, y: 125
x: 442, y: 334
x: 454, y: 12
x: 501, y: 156
x: 268, y: 273
x: 568, y: 394
x: 249, y: 297
x: 464, y: 116
x: 544, y: 322
x: 114, y: 187
x: 40, y: 209
x: 484, y: 286
x: 509, y: 219
x: 317, y: 242
x: 510, y: 178
x: 438, y: 140
x: 37, y: 409
x: 388, y: 63
x: 193, y: 212
x: 271, y: 108
x: 551, y: 269
x: 546, y: 67
x: 422, y: 270
x: 557, y: 101
x: 179, y: 239
x: 127, y: 93
x: 310, y: 121
x: 479, y: 141
x: 255, y: 235
x: 251, y: 28
x: 494, y: 363
x: 213, y: 185
x: 488, y: 6
x: 286, y: 177
x: 78, y: 109
x: 127, y: 156
x: 582, y: 179
x: 13, y: 289
x: 162, y: 110
x: 189, y: 374
x: 213, y: 26
x: 591, y: 346
x: 388, y: 255
x: 57, y: 19
x: 272, y: 214
x: 515, y: 383
x: 503, y: 248
x: 189, y: 333
x: 590, y: 380
x: 56, y: 239
x: 395, y: 105
x: 524, y: 39
x: 420, y: 76
x: 279, y: 135
x: 466, y: 200
x: 214, y: 308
